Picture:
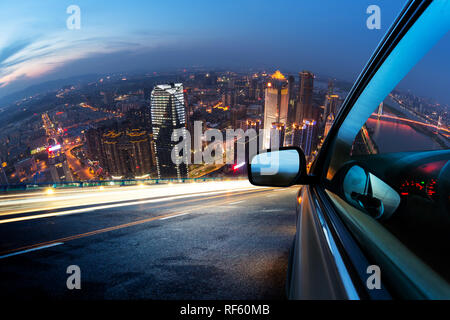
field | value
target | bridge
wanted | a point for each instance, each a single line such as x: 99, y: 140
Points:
x: 414, y: 118
x: 438, y: 127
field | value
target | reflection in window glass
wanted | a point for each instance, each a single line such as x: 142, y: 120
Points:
x: 404, y: 122
x: 406, y: 142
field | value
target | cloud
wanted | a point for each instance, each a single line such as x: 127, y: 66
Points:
x: 13, y: 48
x: 28, y: 59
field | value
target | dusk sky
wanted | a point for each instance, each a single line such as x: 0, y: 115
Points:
x: 329, y: 38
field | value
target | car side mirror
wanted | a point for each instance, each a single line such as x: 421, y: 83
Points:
x: 364, y: 190
x: 278, y: 168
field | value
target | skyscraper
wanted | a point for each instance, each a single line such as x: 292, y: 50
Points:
x: 304, y: 107
x: 309, y: 137
x: 296, y: 136
x: 168, y: 114
x: 305, y: 136
x: 327, y: 99
x: 278, y: 129
x: 332, y: 105
x: 291, y: 105
x: 276, y: 105
x: 253, y: 91
x: 329, y: 122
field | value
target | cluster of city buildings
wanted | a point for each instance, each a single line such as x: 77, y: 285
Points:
x: 131, y: 138
x: 271, y: 102
x: 293, y: 114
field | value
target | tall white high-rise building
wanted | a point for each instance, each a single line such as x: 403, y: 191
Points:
x: 168, y: 113
x: 275, y: 106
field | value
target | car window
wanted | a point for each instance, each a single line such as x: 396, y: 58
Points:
x: 406, y: 142
x: 391, y: 157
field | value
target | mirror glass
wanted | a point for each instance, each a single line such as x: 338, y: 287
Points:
x: 275, y: 168
x: 366, y: 191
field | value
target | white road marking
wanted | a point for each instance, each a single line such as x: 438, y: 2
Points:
x: 30, y: 250
x: 236, y: 202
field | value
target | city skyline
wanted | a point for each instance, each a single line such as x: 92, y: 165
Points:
x: 120, y: 127
x: 119, y: 134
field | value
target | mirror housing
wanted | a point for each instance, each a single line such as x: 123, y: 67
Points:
x: 365, y: 191
x: 278, y: 168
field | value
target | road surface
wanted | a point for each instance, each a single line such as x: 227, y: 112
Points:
x: 216, y: 240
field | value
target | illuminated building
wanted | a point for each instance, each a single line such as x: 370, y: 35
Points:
x: 168, y: 113
x: 128, y: 153
x: 310, y: 135
x: 252, y: 123
x: 327, y: 98
x: 291, y: 105
x: 328, y: 124
x: 229, y: 98
x: 254, y: 110
x: 3, y: 176
x: 276, y: 104
x: 141, y: 150
x: 253, y: 91
x: 305, y: 136
x: 304, y: 106
x: 332, y: 105
x: 115, y: 160
x: 94, y: 144
x: 59, y: 169
x: 296, y: 136
x: 279, y: 129
x: 210, y: 79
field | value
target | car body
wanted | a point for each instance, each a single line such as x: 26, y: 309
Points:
x: 346, y: 238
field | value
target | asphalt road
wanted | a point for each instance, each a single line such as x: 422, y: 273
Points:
x: 166, y: 242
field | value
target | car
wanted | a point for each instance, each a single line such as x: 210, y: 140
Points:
x: 373, y: 213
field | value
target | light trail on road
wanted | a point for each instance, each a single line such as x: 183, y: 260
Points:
x: 118, y: 205
x: 114, y: 197
x: 210, y: 230
x: 222, y: 200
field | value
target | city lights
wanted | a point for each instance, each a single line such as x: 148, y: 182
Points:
x: 54, y: 148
